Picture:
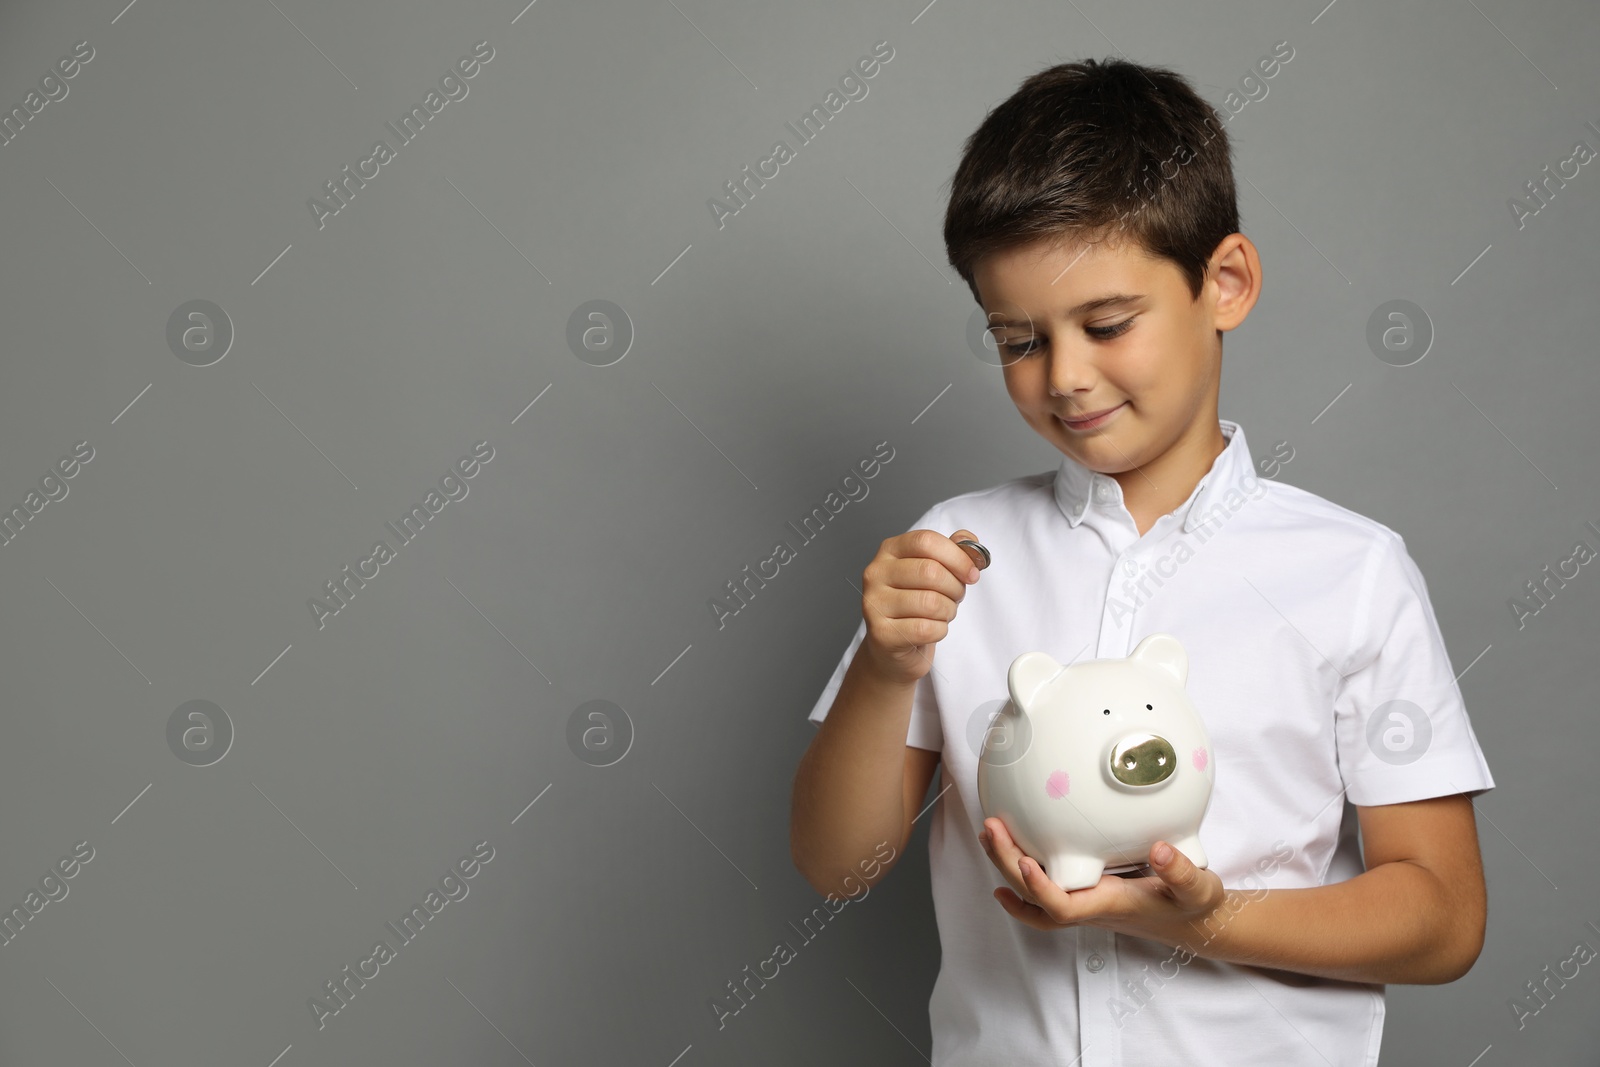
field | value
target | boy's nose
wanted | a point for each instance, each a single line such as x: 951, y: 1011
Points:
x: 1143, y: 760
x: 1068, y: 373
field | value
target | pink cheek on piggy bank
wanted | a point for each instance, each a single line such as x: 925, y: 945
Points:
x: 1200, y: 759
x: 1057, y: 785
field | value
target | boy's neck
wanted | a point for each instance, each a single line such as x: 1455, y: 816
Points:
x: 1159, y: 486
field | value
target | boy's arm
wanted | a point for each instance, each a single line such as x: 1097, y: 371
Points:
x: 1416, y: 915
x: 859, y: 783
x: 852, y: 788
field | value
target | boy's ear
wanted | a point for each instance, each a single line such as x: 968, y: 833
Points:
x: 1029, y: 673
x: 1165, y: 652
x: 1236, y: 269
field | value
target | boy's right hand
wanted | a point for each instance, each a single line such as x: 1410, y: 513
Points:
x: 909, y: 595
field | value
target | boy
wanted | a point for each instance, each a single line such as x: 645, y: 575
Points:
x: 1093, y: 216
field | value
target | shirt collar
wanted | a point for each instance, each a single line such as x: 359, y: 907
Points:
x: 1077, y: 487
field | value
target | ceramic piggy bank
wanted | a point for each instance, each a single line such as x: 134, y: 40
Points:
x: 1089, y: 765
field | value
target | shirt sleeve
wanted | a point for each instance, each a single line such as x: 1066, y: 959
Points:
x: 924, y: 730
x: 1401, y: 727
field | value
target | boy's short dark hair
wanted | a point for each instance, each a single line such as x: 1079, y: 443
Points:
x: 1096, y: 150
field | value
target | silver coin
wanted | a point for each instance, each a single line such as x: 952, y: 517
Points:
x: 969, y: 544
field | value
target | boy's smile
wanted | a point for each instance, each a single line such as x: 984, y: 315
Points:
x: 1107, y: 357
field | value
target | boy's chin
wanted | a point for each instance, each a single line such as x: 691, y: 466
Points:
x: 1097, y: 452
x: 1099, y: 464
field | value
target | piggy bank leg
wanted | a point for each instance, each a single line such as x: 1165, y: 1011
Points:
x: 1190, y: 846
x: 1074, y: 872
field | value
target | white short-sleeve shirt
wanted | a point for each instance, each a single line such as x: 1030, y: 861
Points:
x: 1321, y: 675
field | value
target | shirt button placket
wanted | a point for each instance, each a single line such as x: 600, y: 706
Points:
x: 1099, y: 1043
x: 1097, y: 975
x: 1115, y: 631
x: 1114, y: 636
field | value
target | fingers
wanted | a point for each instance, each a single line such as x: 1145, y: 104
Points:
x: 1025, y: 907
x: 1024, y: 912
x: 920, y: 575
x: 1038, y: 901
x: 910, y: 593
x: 1005, y: 855
x: 956, y: 560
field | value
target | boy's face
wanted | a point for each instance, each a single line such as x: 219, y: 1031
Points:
x: 1153, y: 355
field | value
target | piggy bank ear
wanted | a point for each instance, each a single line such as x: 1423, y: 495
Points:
x: 1028, y: 675
x: 1166, y: 652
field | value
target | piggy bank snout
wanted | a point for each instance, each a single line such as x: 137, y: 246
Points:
x: 1142, y: 759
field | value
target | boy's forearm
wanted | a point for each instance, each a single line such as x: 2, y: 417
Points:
x: 1390, y: 924
x: 849, y: 788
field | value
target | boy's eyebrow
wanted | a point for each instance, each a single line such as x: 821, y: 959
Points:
x: 1097, y: 304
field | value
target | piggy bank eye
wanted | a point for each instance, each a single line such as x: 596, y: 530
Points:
x: 1108, y: 711
x: 1147, y: 707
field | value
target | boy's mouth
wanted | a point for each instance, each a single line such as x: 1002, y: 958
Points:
x: 1093, y: 420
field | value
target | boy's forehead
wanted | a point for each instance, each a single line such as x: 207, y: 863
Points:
x: 1064, y: 278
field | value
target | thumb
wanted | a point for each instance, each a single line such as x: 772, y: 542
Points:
x: 1177, y: 871
x: 974, y: 550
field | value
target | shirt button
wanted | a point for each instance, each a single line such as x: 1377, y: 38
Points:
x: 1104, y: 493
x: 1094, y: 962
x: 1131, y: 567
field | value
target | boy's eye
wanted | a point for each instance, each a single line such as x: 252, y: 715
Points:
x: 1105, y: 333
x: 1099, y: 333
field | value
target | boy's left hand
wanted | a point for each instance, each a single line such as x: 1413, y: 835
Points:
x: 1160, y: 908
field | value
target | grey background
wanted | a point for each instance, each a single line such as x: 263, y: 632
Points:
x: 431, y: 712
